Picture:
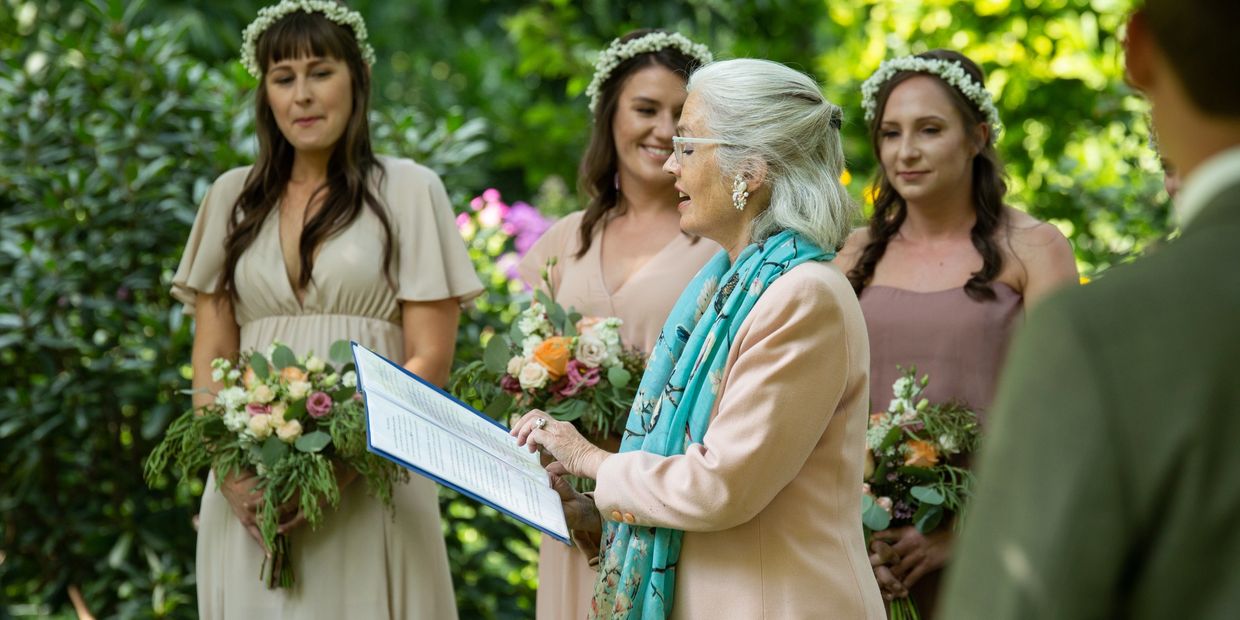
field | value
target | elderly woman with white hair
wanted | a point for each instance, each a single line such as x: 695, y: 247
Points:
x: 737, y: 489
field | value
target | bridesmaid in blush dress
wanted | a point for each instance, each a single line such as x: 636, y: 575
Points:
x: 624, y: 255
x: 945, y: 269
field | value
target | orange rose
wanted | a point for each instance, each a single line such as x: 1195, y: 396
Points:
x: 553, y: 354
x: 292, y: 373
x: 921, y: 454
x: 249, y: 379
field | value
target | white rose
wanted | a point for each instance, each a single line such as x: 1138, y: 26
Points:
x: 232, y: 398
x: 277, y: 414
x: 515, y: 365
x: 591, y: 351
x: 289, y: 432
x: 533, y: 376
x: 260, y: 426
x: 315, y: 364
x: 349, y: 379
x: 262, y: 393
x: 217, y: 375
x: 297, y: 390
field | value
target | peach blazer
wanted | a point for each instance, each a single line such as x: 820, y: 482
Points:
x: 770, y: 501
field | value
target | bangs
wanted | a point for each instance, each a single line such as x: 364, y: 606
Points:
x: 305, y: 35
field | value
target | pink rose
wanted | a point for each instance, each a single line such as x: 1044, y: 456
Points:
x: 579, y: 377
x: 257, y: 409
x: 318, y: 404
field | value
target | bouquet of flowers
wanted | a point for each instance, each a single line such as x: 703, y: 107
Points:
x: 910, y: 478
x: 290, y: 420
x: 576, y: 369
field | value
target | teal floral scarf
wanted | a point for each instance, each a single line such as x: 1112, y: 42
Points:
x: 637, y: 571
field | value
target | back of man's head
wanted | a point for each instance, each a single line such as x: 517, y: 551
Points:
x: 1201, y: 40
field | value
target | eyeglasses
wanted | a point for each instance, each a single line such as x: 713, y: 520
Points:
x: 679, y: 142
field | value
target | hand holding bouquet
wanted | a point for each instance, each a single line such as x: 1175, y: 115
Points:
x: 290, y: 420
x: 910, y: 477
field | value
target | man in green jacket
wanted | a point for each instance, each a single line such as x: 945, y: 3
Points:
x: 1109, y: 482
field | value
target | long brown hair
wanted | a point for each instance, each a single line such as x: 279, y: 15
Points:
x: 349, y: 169
x: 596, y: 177
x: 989, y: 188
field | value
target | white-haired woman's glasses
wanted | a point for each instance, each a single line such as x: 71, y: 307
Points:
x: 679, y: 142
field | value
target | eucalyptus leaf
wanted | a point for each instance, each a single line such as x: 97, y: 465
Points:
x: 341, y: 352
x: 259, y: 364
x: 498, y: 407
x: 569, y: 410
x: 496, y: 355
x: 296, y: 410
x: 273, y: 450
x: 313, y: 442
x: 283, y: 357
x: 875, y: 517
x: 927, y: 495
x: 927, y: 518
x: 618, y: 376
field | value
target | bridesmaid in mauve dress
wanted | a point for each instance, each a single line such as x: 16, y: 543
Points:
x: 944, y: 269
x: 624, y: 254
x: 319, y: 241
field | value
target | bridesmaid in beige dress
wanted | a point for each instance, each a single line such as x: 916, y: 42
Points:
x: 944, y: 270
x: 320, y: 240
x: 624, y: 255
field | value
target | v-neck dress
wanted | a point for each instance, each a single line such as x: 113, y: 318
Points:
x: 565, y: 579
x: 362, y: 561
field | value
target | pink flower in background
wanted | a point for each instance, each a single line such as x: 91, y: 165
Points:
x: 508, y: 264
x: 318, y: 404
x: 491, y: 195
x: 462, y: 220
x: 492, y: 215
x: 257, y: 409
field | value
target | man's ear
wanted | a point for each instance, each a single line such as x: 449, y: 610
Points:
x: 1140, y: 50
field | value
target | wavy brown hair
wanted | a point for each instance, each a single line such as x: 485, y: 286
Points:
x: 597, y: 173
x: 350, y: 168
x: 989, y: 188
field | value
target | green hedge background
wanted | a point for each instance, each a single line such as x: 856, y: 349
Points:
x: 117, y: 116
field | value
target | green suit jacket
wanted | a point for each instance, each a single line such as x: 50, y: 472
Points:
x: 1109, y: 480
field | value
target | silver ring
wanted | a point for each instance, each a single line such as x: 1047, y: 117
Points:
x: 540, y: 422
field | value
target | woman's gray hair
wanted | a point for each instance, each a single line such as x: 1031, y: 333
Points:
x: 776, y: 117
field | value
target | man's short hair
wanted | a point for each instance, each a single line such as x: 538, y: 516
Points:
x: 1201, y: 39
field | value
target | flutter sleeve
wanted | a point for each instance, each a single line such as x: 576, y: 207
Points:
x: 432, y: 261
x: 202, y: 262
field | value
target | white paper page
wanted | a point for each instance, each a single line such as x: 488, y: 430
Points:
x: 424, y: 401
x: 420, y: 443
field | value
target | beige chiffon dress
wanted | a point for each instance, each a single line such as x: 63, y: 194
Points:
x: 363, y: 561
x: 565, y: 579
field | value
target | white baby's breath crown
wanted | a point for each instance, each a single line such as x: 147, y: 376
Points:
x: 620, y: 51
x: 949, y: 71
x: 272, y: 14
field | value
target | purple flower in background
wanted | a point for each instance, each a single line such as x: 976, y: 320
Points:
x: 507, y: 263
x: 579, y: 377
x: 526, y: 225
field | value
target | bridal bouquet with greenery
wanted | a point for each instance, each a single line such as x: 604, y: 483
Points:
x: 575, y: 368
x: 292, y: 421
x: 912, y: 471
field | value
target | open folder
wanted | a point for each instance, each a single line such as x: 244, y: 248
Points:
x: 425, y: 429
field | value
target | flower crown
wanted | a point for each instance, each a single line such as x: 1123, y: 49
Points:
x: 620, y: 51
x: 272, y: 14
x: 949, y: 71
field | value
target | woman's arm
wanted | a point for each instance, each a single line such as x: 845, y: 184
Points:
x: 429, y: 329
